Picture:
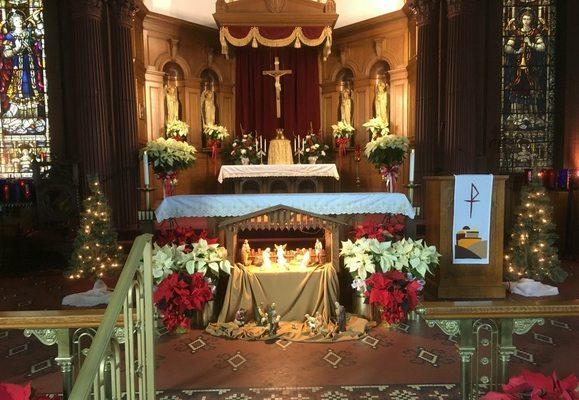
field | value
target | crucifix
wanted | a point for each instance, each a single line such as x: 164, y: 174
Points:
x: 277, y: 74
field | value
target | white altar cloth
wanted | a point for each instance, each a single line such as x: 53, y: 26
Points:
x: 285, y: 170
x: 234, y: 205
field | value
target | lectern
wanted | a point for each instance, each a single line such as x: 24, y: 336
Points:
x: 468, y: 281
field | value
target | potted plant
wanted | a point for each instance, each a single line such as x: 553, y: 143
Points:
x: 314, y: 150
x: 385, y: 150
x: 186, y: 276
x: 215, y: 135
x: 177, y: 130
x: 244, y: 150
x: 168, y: 157
x: 343, y: 132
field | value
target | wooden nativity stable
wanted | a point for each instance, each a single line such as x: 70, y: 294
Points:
x: 294, y: 225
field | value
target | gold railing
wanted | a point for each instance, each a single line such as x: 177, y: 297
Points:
x: 92, y: 343
x: 100, y: 373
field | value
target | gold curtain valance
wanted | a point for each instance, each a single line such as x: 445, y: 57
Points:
x: 297, y: 37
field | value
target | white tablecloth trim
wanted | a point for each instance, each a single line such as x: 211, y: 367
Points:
x: 318, y: 203
x: 265, y: 170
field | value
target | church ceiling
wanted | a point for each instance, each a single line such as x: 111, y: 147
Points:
x: 350, y: 11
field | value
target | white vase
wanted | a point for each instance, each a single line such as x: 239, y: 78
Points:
x: 312, y: 159
x: 244, y: 161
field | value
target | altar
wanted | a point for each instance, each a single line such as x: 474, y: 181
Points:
x: 280, y: 178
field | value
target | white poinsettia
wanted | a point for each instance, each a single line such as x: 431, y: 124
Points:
x: 343, y: 130
x: 166, y: 260
x: 208, y: 259
x: 177, y: 128
x: 366, y: 256
x: 170, y: 155
x: 377, y: 126
x: 215, y: 132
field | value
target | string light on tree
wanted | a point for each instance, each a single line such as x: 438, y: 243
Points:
x: 532, y: 253
x: 96, y: 249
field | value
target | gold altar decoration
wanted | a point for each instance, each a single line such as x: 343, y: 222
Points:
x: 280, y: 152
x: 297, y: 37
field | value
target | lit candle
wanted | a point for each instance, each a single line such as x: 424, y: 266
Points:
x: 303, y: 144
x: 146, y: 168
x: 411, y: 172
x: 261, y: 142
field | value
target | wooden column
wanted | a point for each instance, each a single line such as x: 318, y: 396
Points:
x: 426, y: 86
x: 460, y: 125
x: 92, y: 120
x: 125, y: 157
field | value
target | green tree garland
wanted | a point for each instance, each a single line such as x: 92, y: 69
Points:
x: 96, y: 249
x: 531, y: 252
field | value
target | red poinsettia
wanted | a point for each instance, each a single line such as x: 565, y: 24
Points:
x: 393, y: 293
x: 179, y: 296
x: 536, y: 386
x: 391, y: 227
x: 183, y: 236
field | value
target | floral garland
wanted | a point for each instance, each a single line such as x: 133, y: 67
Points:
x: 177, y: 130
x: 342, y: 131
x: 536, y: 386
x: 244, y: 150
x: 314, y: 148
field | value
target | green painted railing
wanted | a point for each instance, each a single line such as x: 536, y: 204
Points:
x: 100, y: 374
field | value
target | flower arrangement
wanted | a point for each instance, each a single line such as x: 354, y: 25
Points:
x: 177, y: 130
x: 215, y: 132
x: 367, y: 256
x: 394, y: 294
x: 179, y: 296
x: 536, y: 386
x: 181, y: 235
x: 208, y: 259
x: 314, y: 148
x: 169, y: 156
x: 342, y: 131
x: 244, y: 150
x: 386, y: 151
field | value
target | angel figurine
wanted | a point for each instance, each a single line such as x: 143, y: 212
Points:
x: 281, y: 261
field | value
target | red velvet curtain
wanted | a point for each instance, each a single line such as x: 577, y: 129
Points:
x: 255, y: 93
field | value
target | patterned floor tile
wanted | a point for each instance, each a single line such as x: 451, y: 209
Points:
x: 332, y: 358
x: 237, y: 361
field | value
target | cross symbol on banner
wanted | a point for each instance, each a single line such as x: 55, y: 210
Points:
x: 473, y: 197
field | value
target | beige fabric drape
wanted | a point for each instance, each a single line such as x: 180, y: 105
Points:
x: 295, y: 293
x: 280, y: 152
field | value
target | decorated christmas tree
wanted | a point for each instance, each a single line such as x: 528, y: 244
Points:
x: 96, y: 250
x: 531, y: 252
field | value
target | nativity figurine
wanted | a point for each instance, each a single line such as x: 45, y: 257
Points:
x: 240, y: 317
x: 266, y: 256
x: 273, y: 319
x: 318, y: 251
x: 305, y: 259
x: 281, y: 260
x: 245, y: 253
x: 340, y: 316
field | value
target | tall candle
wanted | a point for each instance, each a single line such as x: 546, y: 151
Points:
x: 146, y: 168
x: 303, y: 144
x: 261, y: 142
x: 411, y: 172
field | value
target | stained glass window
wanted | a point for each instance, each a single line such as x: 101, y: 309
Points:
x: 528, y: 84
x: 24, y: 133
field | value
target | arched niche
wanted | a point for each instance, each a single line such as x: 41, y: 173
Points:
x: 345, y: 88
x: 209, y: 87
x: 379, y: 73
x: 173, y: 80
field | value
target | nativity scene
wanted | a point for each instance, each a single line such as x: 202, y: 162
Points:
x: 288, y: 199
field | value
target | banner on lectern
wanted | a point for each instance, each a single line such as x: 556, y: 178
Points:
x: 472, y: 219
